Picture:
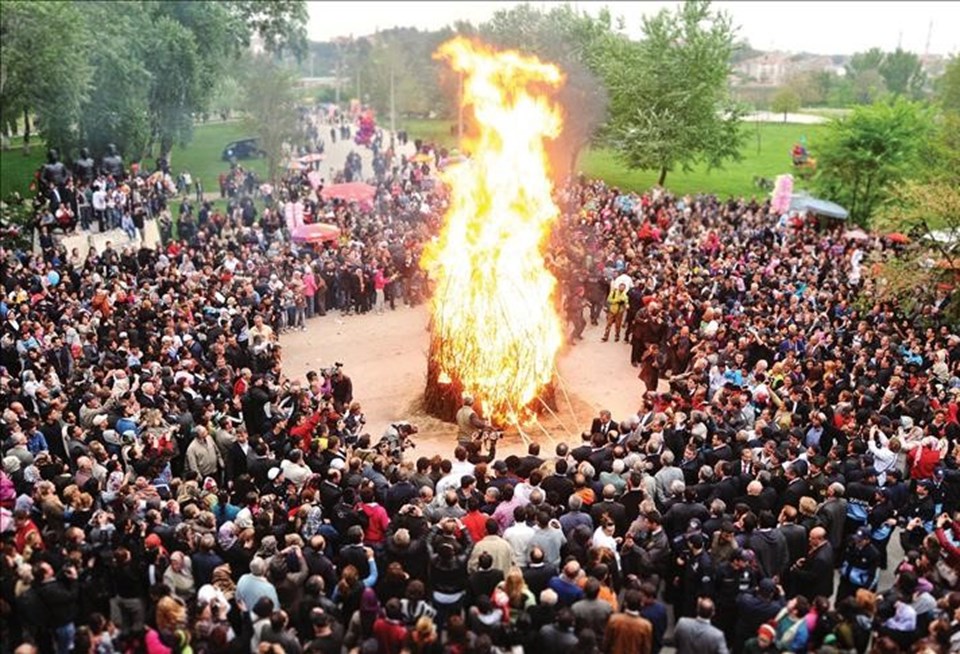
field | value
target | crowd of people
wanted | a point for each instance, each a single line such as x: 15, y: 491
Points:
x: 167, y: 488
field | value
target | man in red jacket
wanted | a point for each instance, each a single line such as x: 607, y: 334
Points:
x: 375, y: 532
x: 389, y: 630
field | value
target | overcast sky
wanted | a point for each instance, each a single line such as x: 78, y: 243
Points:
x: 821, y: 27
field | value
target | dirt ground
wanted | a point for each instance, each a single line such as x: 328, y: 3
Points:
x: 386, y: 357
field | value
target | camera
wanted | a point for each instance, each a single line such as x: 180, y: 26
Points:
x: 396, y: 440
x: 487, y: 435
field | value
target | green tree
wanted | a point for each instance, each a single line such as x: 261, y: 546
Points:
x: 226, y: 96
x: 117, y: 110
x: 785, y: 101
x: 175, y: 90
x: 903, y: 73
x: 867, y: 85
x: 948, y: 87
x: 131, y: 73
x: 864, y: 155
x: 575, y: 41
x: 670, y: 102
x: 270, y: 109
x: 42, y: 68
x: 930, y: 212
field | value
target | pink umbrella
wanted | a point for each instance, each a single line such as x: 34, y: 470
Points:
x: 856, y: 234
x: 351, y: 192
x: 311, y: 158
x: 316, y: 233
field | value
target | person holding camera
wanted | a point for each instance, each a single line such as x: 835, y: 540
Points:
x: 469, y: 422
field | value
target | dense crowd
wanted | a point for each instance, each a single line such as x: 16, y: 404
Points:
x: 166, y: 488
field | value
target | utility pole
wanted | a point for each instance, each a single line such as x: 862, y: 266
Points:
x: 460, y: 111
x: 339, y: 44
x: 393, y: 106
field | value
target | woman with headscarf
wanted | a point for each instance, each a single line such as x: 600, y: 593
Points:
x: 313, y: 523
x: 360, y: 626
x: 227, y: 535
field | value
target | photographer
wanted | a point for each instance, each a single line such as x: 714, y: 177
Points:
x: 353, y: 423
x: 468, y: 422
x: 396, y: 440
x: 483, y: 446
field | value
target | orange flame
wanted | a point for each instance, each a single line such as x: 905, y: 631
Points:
x: 493, y: 306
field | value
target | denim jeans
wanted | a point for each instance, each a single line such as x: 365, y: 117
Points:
x: 63, y: 637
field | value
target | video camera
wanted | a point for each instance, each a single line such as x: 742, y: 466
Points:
x: 487, y: 435
x: 396, y: 440
x: 335, y: 368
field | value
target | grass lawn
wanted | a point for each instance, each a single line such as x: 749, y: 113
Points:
x: 16, y: 169
x: 766, y: 153
x: 201, y: 157
x: 442, y: 132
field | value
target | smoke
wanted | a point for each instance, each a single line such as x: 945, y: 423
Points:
x: 583, y: 100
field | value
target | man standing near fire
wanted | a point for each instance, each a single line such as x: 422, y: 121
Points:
x: 468, y: 421
x: 616, y: 308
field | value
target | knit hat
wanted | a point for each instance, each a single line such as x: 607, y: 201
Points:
x: 766, y: 631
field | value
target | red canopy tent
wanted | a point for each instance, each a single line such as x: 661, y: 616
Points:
x: 316, y: 233
x: 351, y: 192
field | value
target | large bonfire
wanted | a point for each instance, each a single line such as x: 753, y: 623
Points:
x: 495, y: 328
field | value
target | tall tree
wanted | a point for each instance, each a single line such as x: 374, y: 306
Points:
x: 861, y: 62
x: 948, y: 87
x: 131, y: 73
x: 785, y: 101
x: 926, y: 271
x: 175, y: 90
x: 574, y: 41
x: 864, y: 155
x: 671, y: 106
x: 903, y: 73
x: 42, y: 68
x: 118, y: 108
x: 270, y: 109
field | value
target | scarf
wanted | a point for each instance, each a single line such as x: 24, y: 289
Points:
x: 227, y: 535
x: 313, y: 524
x: 222, y: 581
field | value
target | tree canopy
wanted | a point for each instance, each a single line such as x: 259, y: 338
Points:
x: 865, y: 154
x: 131, y: 73
x: 669, y: 94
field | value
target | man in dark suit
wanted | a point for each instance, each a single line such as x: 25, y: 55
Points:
x: 795, y: 534
x: 237, y: 455
x: 558, y: 486
x: 797, y: 487
x: 754, y: 498
x: 604, y: 424
x: 612, y: 508
x: 538, y: 573
x: 813, y: 574
x: 530, y: 462
x: 632, y: 498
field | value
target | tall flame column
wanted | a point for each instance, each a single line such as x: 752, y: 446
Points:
x: 495, y: 328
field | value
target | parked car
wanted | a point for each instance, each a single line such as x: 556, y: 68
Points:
x: 243, y: 149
